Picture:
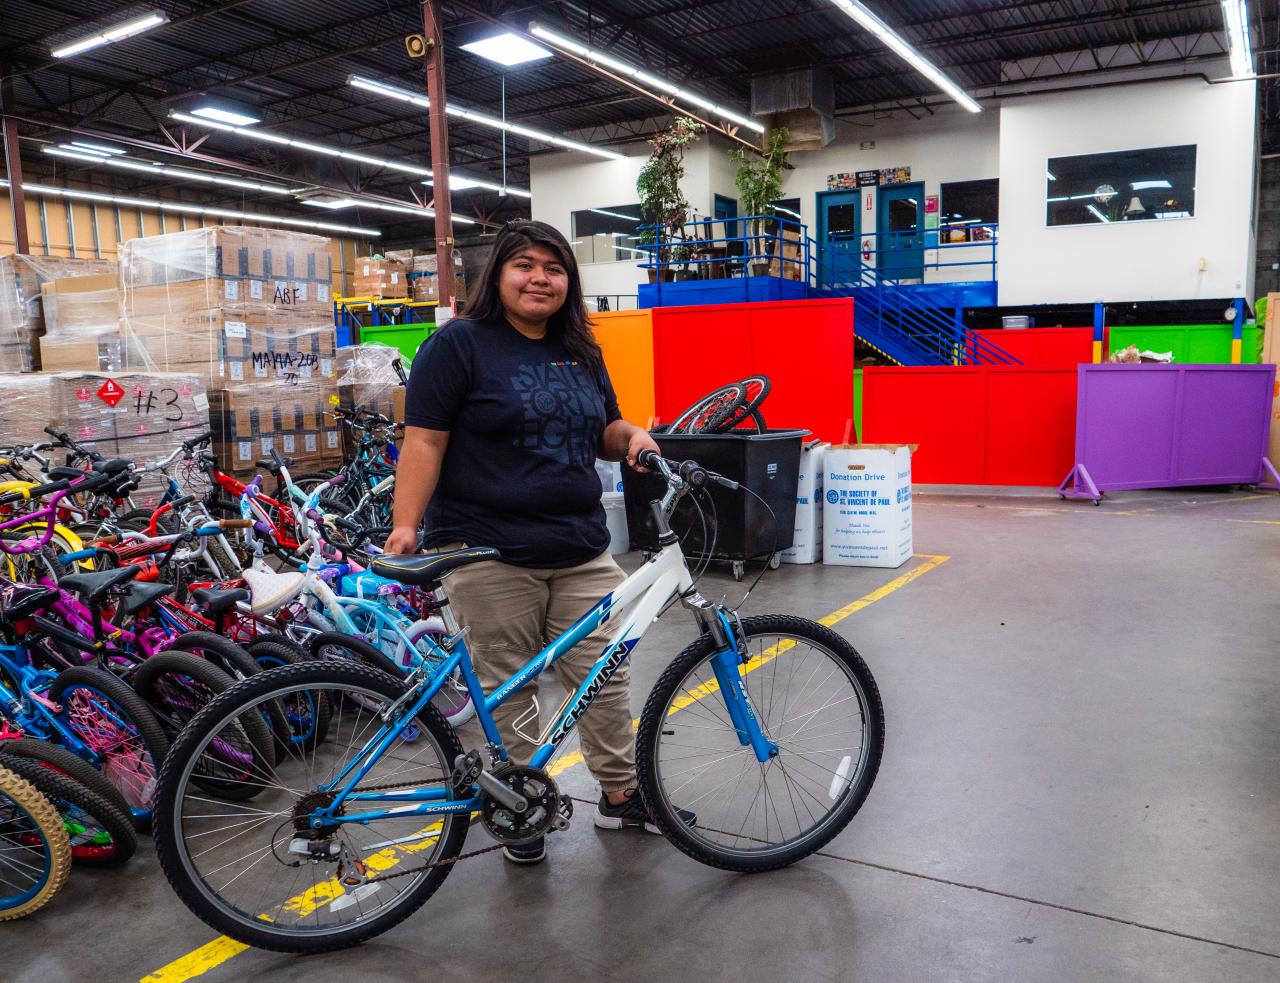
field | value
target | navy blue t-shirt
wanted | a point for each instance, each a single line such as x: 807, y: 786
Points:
x: 525, y: 420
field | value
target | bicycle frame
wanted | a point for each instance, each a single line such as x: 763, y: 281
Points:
x: 27, y: 709
x: 641, y: 596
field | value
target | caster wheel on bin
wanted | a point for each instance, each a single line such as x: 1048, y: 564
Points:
x: 1062, y: 498
x: 775, y: 561
x: 739, y: 570
x: 1097, y: 501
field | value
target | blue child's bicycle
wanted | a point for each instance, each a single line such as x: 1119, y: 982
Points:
x: 768, y: 729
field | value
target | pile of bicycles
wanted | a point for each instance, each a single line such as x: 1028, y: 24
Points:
x: 119, y: 623
x: 240, y: 670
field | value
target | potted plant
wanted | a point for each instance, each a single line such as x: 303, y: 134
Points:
x: 759, y: 181
x: 661, y: 201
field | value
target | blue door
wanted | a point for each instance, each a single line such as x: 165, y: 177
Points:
x: 839, y: 226
x: 900, y: 228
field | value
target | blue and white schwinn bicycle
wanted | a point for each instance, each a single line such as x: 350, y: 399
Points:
x: 769, y: 729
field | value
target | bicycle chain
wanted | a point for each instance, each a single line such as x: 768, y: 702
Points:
x: 430, y: 866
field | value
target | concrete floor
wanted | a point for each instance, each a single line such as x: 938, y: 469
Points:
x: 1081, y: 781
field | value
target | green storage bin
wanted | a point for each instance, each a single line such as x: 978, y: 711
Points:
x: 406, y: 337
x: 1190, y: 343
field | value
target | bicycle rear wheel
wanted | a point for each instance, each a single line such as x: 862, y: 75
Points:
x: 814, y: 698
x: 35, y: 854
x: 231, y: 864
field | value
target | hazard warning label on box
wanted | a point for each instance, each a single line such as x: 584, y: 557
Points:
x: 110, y: 393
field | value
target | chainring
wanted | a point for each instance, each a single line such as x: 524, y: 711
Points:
x: 539, y: 789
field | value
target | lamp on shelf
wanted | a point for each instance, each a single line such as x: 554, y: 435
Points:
x: 1136, y: 209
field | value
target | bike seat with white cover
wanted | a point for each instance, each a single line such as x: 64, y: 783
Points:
x: 269, y: 591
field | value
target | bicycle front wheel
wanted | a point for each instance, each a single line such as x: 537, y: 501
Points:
x: 236, y: 865
x: 35, y: 853
x: 816, y: 702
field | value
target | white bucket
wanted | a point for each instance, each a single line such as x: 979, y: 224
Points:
x: 615, y: 514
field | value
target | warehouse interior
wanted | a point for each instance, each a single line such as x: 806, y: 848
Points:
x: 960, y: 319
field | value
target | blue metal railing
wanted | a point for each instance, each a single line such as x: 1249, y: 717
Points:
x: 887, y: 316
x: 891, y: 261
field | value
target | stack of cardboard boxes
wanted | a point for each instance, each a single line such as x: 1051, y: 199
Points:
x: 82, y: 324
x: 788, y: 256
x: 423, y: 283
x: 385, y: 278
x: 249, y: 312
x: 22, y: 321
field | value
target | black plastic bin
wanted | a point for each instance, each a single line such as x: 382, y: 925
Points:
x: 768, y: 463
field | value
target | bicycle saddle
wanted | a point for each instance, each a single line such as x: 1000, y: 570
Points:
x: 113, y: 466
x: 17, y: 601
x: 72, y: 474
x: 218, y: 601
x: 426, y: 571
x: 93, y: 587
x: 272, y: 590
x: 138, y: 596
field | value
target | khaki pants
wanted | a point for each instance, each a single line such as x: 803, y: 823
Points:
x: 513, y: 613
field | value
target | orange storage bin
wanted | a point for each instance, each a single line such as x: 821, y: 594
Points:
x: 627, y: 340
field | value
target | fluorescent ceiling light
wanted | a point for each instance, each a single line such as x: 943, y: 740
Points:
x: 94, y: 148
x: 332, y: 203
x: 1235, y: 20
x: 507, y: 49
x: 126, y: 30
x: 643, y: 78
x: 601, y: 211
x: 265, y: 136
x: 225, y: 116
x: 895, y: 43
x: 1097, y: 214
x: 178, y: 206
x: 1144, y: 185
x: 404, y: 95
x: 155, y: 167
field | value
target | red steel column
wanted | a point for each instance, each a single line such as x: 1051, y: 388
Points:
x: 439, y: 132
x: 13, y: 166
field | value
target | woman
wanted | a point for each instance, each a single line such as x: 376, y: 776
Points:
x: 507, y: 409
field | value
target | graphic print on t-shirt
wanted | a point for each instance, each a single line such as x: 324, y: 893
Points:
x: 563, y: 413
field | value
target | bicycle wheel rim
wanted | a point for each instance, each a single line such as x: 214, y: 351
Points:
x: 97, y: 720
x: 25, y: 857
x: 755, y: 810
x: 300, y: 899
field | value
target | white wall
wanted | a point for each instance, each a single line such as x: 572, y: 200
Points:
x: 1152, y: 260
x: 565, y: 183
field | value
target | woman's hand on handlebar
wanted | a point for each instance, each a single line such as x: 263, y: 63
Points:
x: 641, y: 441
x: 403, y: 539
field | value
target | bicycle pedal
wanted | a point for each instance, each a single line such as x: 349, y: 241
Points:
x: 466, y: 769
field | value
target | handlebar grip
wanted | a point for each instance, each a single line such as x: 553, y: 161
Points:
x: 347, y: 525
x: 54, y: 486
x: 336, y: 480
x: 648, y: 459
x: 178, y: 503
x: 54, y: 433
x: 194, y: 442
x: 9, y: 498
x: 253, y: 486
x: 279, y: 460
x: 235, y: 523
x: 105, y: 541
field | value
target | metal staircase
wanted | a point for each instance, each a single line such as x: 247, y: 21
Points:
x: 890, y: 320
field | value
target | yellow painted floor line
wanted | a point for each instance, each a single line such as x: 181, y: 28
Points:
x: 215, y: 953
x: 1258, y: 522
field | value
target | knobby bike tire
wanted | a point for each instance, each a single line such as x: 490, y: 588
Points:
x: 28, y: 800
x: 750, y: 406
x: 653, y: 720
x: 61, y: 759
x: 709, y: 410
x: 79, y: 807
x: 171, y: 850
x: 185, y: 669
x: 131, y: 706
x: 232, y: 659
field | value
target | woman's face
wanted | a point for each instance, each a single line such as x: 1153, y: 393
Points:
x: 533, y: 284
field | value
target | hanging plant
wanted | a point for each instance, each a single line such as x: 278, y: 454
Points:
x: 658, y: 186
x: 759, y: 181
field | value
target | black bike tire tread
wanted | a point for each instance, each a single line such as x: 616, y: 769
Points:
x: 32, y: 801
x: 317, y: 672
x: 212, y: 678
x: 55, y: 785
x: 67, y: 761
x: 134, y: 706
x: 368, y: 654
x: 654, y: 714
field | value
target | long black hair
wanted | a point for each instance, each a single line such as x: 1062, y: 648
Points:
x: 570, y: 323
